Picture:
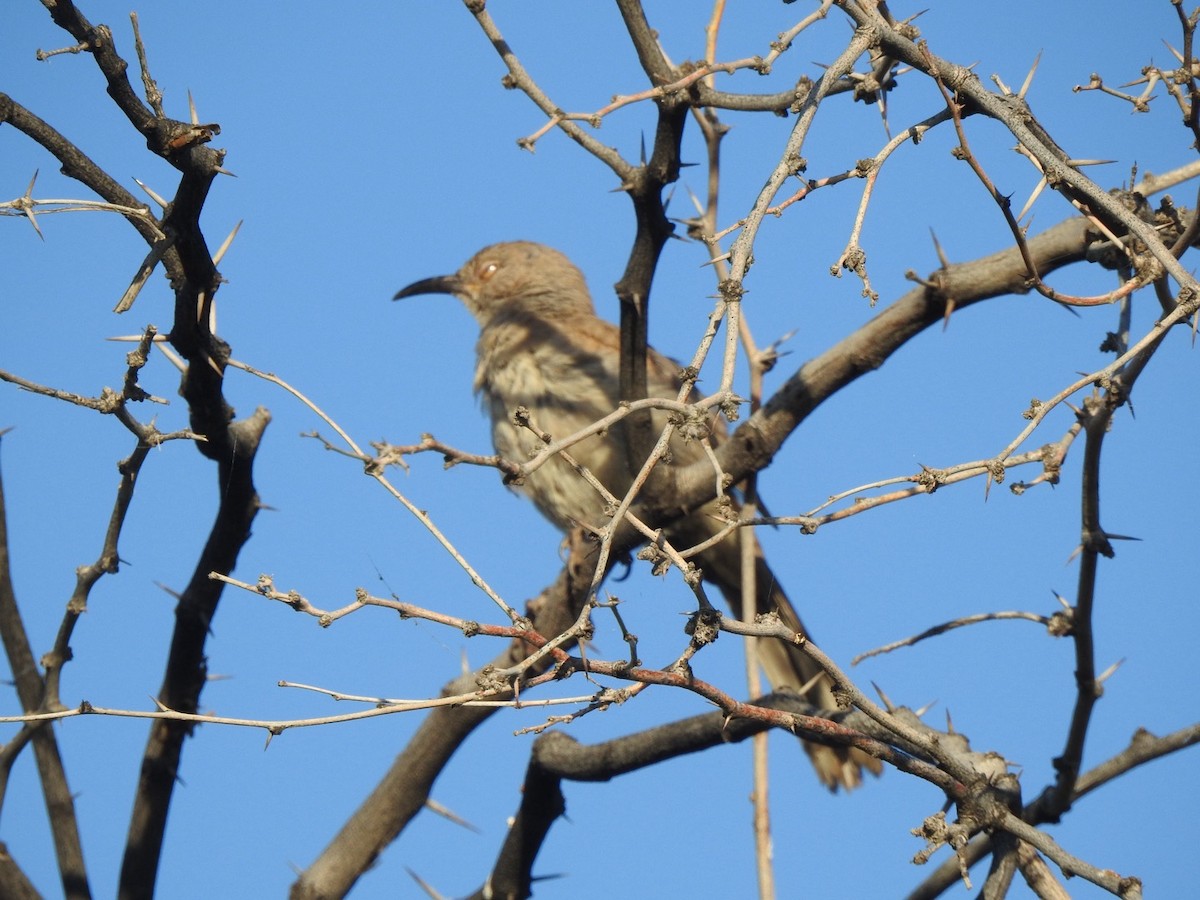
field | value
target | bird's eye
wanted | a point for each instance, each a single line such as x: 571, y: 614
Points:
x: 487, y: 270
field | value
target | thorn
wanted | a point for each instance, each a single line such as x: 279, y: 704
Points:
x: 951, y: 305
x: 781, y: 340
x: 1062, y: 600
x: 1034, y: 194
x: 1029, y: 156
x: 157, y: 251
x: 192, y: 108
x: 33, y: 221
x: 153, y: 196
x: 435, y: 807
x: 1145, y: 79
x: 204, y: 301
x: 425, y: 886
x: 174, y: 593
x: 920, y: 713
x: 27, y: 203
x: 941, y: 255
x: 221, y: 170
x: 1029, y: 78
x: 1110, y: 671
x: 949, y: 723
x: 173, y: 358
x: 884, y: 698
x: 219, y: 255
x: 1174, y: 52
x: 1079, y: 163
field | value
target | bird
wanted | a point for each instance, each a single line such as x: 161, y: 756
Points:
x: 543, y: 347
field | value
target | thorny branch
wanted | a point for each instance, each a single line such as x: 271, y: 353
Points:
x: 1150, y: 244
x: 178, y: 243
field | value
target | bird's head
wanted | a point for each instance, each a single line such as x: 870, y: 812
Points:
x: 513, y: 278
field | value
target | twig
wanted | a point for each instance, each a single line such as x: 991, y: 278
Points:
x: 375, y: 469
x: 962, y: 622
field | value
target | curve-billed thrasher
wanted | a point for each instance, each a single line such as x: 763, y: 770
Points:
x: 542, y: 346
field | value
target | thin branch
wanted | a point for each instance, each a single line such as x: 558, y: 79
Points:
x: 60, y: 801
x: 1049, y: 622
x: 519, y: 78
x: 375, y: 467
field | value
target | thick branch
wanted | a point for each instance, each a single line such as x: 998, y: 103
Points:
x: 406, y: 786
x: 76, y: 164
x: 633, y: 290
x: 186, y: 670
x: 752, y: 446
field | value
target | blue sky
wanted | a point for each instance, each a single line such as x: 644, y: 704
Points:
x: 374, y: 146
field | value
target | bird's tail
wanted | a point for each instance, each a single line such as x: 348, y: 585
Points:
x: 786, y: 665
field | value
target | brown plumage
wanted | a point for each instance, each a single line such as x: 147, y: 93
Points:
x: 542, y: 346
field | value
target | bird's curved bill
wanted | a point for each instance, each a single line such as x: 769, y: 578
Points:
x: 439, y: 284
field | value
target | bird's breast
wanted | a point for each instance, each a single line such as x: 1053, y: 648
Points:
x: 563, y: 395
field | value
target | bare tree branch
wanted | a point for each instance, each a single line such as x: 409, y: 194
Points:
x: 60, y: 803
